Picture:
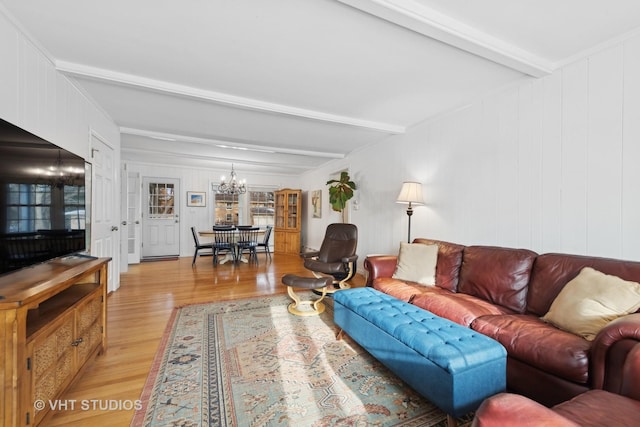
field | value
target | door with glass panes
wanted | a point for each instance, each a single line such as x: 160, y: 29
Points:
x: 161, y: 225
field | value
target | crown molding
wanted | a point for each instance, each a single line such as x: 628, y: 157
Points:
x: 594, y: 50
x: 159, y: 86
x: 431, y: 23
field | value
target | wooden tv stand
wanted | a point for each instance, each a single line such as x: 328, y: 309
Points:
x: 52, y: 322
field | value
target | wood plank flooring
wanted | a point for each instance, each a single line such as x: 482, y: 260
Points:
x: 137, y: 316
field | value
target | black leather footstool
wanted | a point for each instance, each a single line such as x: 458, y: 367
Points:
x: 292, y: 281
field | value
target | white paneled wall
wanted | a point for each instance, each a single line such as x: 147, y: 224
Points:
x: 195, y: 179
x: 630, y: 203
x: 550, y: 165
x: 34, y: 96
x: 545, y: 163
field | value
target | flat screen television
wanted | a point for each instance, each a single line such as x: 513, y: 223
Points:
x: 43, y: 211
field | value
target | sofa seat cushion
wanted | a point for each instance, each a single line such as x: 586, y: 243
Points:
x: 405, y: 291
x: 460, y: 308
x: 600, y: 408
x: 539, y: 344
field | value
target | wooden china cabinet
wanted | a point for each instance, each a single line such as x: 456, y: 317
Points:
x: 287, y: 221
x: 52, y: 323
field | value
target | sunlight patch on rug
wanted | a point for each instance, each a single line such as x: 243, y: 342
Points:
x: 251, y: 363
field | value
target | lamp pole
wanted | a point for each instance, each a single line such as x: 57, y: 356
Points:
x: 409, y: 213
x: 410, y: 193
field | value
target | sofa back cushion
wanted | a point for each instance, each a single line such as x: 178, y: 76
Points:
x: 552, y: 271
x: 449, y: 262
x: 498, y: 275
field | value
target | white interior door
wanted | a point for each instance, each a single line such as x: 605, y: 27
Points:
x: 160, y: 221
x: 105, y: 205
x: 134, y: 217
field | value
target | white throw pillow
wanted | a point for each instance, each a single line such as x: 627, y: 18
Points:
x: 417, y: 263
x: 587, y: 303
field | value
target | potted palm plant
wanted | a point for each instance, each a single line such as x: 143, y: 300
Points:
x: 340, y: 191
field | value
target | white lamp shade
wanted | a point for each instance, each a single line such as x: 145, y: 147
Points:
x: 411, y: 192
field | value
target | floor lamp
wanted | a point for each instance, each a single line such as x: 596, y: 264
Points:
x: 410, y: 193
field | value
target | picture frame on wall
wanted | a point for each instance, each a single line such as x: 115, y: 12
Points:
x: 196, y: 199
x: 316, y: 203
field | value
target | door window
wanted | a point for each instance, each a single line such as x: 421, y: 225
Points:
x: 161, y: 201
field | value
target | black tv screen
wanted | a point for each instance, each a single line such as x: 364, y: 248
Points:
x: 42, y: 200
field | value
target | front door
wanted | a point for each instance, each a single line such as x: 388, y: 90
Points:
x: 161, y: 228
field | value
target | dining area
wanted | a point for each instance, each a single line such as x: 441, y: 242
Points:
x: 232, y: 243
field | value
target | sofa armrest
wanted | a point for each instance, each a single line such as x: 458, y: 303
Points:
x: 310, y: 254
x: 623, y: 328
x: 379, y: 266
x: 631, y: 374
x: 349, y: 259
x: 507, y: 409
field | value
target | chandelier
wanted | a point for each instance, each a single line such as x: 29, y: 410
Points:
x: 233, y: 186
x: 60, y: 174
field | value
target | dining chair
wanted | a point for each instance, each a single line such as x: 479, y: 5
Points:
x: 265, y: 242
x: 198, y: 246
x: 223, y: 242
x: 248, y: 241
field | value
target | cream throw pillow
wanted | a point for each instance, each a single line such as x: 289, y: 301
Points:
x: 587, y: 303
x: 417, y: 263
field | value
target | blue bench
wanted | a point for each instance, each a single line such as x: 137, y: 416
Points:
x: 452, y: 366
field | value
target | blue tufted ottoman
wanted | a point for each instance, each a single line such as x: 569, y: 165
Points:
x: 452, y: 366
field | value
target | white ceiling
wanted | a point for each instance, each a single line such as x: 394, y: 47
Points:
x: 283, y: 86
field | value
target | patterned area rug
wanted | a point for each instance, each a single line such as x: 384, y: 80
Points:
x: 251, y: 363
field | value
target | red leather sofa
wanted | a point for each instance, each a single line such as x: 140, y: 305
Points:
x: 594, y: 408
x: 503, y: 293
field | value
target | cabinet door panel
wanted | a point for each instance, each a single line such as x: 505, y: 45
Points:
x: 89, y: 312
x: 89, y: 327
x: 44, y: 390
x: 52, y: 361
x: 64, y: 369
x: 44, y: 355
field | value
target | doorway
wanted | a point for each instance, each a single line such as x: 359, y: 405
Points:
x: 160, y: 221
x: 104, y: 209
x: 133, y: 212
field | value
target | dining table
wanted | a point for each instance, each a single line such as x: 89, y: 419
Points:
x: 206, y: 237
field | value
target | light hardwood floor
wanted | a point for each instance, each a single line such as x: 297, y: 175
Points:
x: 137, y: 316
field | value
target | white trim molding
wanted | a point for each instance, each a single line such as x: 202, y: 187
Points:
x: 173, y: 89
x: 427, y: 21
x: 163, y: 136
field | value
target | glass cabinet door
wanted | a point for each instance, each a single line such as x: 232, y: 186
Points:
x: 292, y: 210
x: 280, y: 210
